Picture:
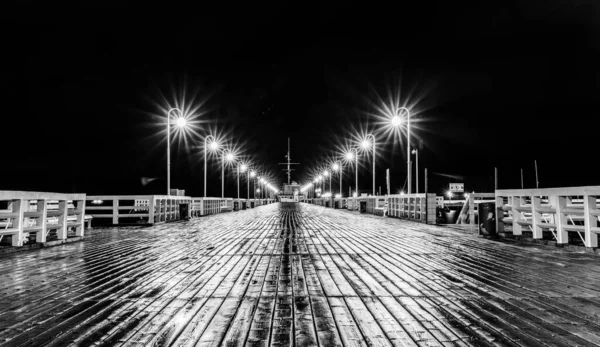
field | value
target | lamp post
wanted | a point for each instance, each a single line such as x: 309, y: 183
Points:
x: 337, y: 167
x: 353, y: 154
x: 366, y: 144
x: 242, y: 167
x: 397, y: 121
x: 180, y: 123
x: 213, y: 145
x: 325, y: 174
x: 229, y: 156
x: 252, y: 175
x: 416, y: 153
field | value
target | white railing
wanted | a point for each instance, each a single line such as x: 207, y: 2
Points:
x: 559, y: 210
x: 205, y: 206
x: 470, y: 209
x: 417, y: 207
x: 377, y: 205
x: 22, y: 213
x: 136, y: 209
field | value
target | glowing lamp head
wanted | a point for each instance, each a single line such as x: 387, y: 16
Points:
x: 325, y: 173
x: 450, y: 194
x: 252, y: 174
x: 230, y: 156
x: 320, y: 177
x: 181, y: 122
x: 336, y: 167
x: 262, y: 180
x: 414, y: 151
x: 214, y: 145
x: 258, y: 190
x: 349, y: 155
x: 244, y: 167
x: 396, y: 121
x: 401, y: 192
x: 365, y: 144
x: 315, y: 181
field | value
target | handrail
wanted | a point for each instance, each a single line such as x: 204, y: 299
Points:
x: 559, y: 210
x: 40, y: 212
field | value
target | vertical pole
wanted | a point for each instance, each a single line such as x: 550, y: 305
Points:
x: 248, y: 183
x: 387, y: 180
x: 373, y: 165
x: 537, y: 182
x: 168, y: 154
x: 238, y: 181
x: 223, y: 176
x: 340, y: 180
x: 205, y: 153
x: 356, y: 172
x: 426, y: 181
x: 522, y: 186
x: 408, y: 164
x: 417, y: 170
x: 495, y: 178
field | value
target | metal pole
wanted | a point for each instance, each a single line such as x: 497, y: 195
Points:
x: 169, y: 153
x: 537, y: 182
x: 238, y: 181
x: 340, y: 180
x: 330, y: 190
x: 248, y: 183
x: 408, y: 164
x: 356, y: 172
x: 417, y: 170
x: 223, y: 176
x: 522, y: 186
x: 373, y: 165
x: 495, y: 178
x: 426, y: 180
x: 205, y: 154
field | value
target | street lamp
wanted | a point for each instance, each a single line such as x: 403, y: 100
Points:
x: 397, y: 121
x: 181, y: 122
x: 416, y: 153
x: 353, y: 154
x: 214, y: 145
x: 365, y: 145
x: 326, y: 173
x: 337, y: 167
x: 243, y: 168
x: 230, y: 157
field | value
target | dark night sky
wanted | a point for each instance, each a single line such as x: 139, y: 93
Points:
x: 502, y: 84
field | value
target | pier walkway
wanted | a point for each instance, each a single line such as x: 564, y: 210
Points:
x: 294, y: 274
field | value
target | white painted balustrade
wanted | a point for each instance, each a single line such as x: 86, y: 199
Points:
x: 133, y: 209
x: 23, y: 213
x: 559, y: 210
x: 417, y: 207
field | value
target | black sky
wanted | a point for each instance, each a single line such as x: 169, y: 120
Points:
x: 503, y: 84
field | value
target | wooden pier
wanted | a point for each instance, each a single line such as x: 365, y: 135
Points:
x: 293, y: 274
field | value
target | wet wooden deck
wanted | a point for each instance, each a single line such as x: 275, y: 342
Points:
x: 298, y: 275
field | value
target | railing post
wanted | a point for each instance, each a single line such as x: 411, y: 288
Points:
x: 115, y: 211
x: 42, y: 209
x: 516, y: 216
x: 79, y: 206
x: 63, y: 208
x: 18, y: 209
x: 560, y: 203
x: 536, y: 216
x: 589, y: 203
x: 151, y: 205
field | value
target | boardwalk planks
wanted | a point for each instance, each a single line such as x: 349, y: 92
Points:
x: 297, y: 275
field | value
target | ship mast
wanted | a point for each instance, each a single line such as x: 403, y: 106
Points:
x: 289, y: 164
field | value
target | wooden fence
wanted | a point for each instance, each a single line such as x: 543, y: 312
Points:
x: 23, y: 213
x: 559, y: 210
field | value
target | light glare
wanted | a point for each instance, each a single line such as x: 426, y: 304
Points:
x: 181, y: 122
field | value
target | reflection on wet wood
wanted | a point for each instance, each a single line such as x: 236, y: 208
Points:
x: 297, y: 275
